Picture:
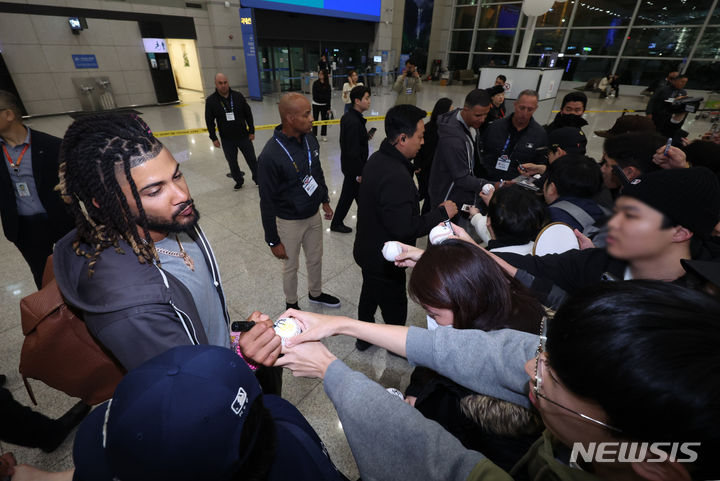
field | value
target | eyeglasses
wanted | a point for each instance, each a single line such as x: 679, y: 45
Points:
x: 540, y: 368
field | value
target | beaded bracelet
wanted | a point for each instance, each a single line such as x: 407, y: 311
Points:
x: 251, y: 365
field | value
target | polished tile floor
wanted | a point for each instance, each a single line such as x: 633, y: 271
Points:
x: 251, y: 275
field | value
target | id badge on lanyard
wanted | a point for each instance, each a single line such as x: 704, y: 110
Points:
x: 309, y: 184
x: 503, y: 162
x: 230, y: 115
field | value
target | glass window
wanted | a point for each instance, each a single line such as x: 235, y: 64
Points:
x: 461, y: 40
x: 709, y: 46
x: 499, y: 16
x: 604, y: 12
x: 582, y: 69
x: 457, y: 61
x: 557, y: 16
x: 547, y: 40
x: 645, y: 72
x: 594, y: 41
x: 483, y: 60
x: 703, y: 75
x: 661, y: 42
x: 494, y: 41
x: 680, y: 12
x: 466, y: 2
x: 465, y: 17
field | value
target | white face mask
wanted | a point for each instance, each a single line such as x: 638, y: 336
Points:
x: 432, y: 323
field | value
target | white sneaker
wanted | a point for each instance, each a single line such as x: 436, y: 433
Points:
x: 324, y: 139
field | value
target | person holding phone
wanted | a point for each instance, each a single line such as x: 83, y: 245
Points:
x: 408, y: 84
x: 353, y: 154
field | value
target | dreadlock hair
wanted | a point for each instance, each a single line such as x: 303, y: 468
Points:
x: 95, y: 151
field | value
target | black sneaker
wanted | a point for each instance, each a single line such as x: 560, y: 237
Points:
x: 362, y: 345
x: 342, y: 228
x: 294, y: 305
x: 238, y: 186
x: 229, y: 174
x: 325, y: 299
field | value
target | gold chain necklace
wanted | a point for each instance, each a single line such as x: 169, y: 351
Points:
x: 182, y: 254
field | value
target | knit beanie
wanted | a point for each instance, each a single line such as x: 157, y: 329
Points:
x: 494, y: 90
x: 688, y: 197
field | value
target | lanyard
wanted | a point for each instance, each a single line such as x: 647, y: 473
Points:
x: 15, y: 166
x: 507, y: 142
x: 293, y: 160
x: 232, y: 105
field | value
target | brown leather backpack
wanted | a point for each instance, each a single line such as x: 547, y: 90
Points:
x: 60, y: 351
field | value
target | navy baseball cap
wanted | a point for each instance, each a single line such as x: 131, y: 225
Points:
x: 571, y: 139
x: 178, y: 416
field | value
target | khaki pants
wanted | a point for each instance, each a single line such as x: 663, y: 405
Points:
x: 308, y: 234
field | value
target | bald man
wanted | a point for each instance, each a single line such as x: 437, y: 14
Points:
x: 292, y: 189
x: 235, y: 123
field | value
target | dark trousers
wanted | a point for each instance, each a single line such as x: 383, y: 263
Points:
x: 230, y: 148
x: 349, y: 192
x: 35, y: 243
x: 270, y: 379
x: 324, y: 111
x: 22, y: 426
x: 386, y: 292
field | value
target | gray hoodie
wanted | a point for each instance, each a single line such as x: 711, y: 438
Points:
x: 135, y: 310
x: 451, y: 175
x: 392, y: 440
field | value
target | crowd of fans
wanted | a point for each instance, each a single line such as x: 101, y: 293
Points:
x: 528, y: 363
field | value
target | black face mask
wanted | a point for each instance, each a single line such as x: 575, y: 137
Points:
x: 571, y: 120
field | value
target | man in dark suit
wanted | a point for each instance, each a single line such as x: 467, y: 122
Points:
x: 353, y: 154
x: 33, y: 215
x: 389, y: 210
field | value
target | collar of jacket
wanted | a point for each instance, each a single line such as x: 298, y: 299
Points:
x: 358, y: 114
x: 389, y: 149
x: 278, y: 133
x: 512, y: 126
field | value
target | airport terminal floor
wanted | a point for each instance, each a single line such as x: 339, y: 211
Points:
x: 252, y: 277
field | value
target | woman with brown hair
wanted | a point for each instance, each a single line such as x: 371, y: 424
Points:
x: 459, y: 285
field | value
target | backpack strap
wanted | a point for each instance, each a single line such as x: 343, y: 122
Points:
x: 576, y: 212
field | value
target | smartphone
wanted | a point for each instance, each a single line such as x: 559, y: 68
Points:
x: 620, y: 174
x: 466, y: 208
x: 371, y: 132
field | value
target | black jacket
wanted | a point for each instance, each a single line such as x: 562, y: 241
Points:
x: 453, y: 166
x: 135, y: 310
x: 281, y: 191
x: 389, y: 209
x: 353, y: 143
x: 562, y: 120
x: 321, y: 93
x: 45, y: 163
x: 576, y: 269
x: 215, y: 111
x: 521, y: 146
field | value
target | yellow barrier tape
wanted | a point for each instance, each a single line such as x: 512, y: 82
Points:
x: 373, y: 118
x: 174, y: 133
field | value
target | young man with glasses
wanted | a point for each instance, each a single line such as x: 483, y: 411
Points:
x: 612, y: 372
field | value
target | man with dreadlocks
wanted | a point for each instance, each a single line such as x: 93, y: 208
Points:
x: 138, y: 265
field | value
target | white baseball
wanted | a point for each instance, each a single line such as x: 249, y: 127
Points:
x: 286, y: 327
x: 439, y: 233
x: 391, y: 250
x: 487, y: 188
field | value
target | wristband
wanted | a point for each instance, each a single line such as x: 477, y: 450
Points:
x: 251, y: 365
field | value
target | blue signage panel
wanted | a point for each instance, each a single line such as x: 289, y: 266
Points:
x: 247, y: 28
x: 368, y: 10
x: 85, y: 61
